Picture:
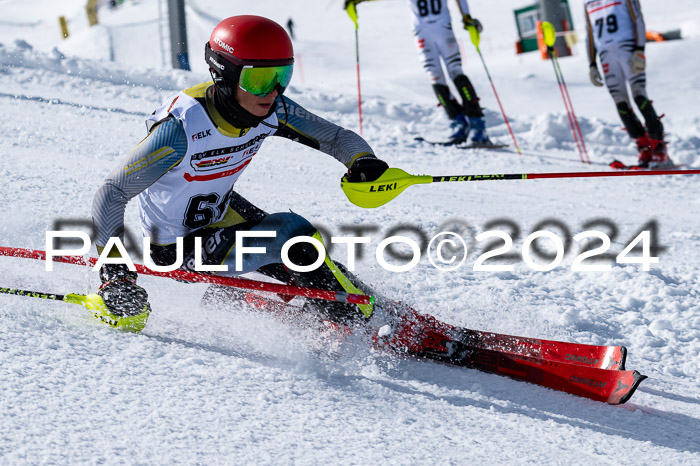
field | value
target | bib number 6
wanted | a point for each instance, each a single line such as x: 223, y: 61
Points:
x: 202, y: 210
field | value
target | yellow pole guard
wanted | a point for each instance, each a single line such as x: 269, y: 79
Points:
x: 475, y: 36
x: 352, y: 13
x: 371, y: 194
x: 550, y: 34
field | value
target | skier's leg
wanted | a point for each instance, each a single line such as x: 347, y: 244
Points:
x: 616, y: 81
x: 473, y: 110
x: 632, y: 124
x: 638, y: 85
x: 329, y: 276
x: 654, y: 126
x: 217, y: 239
x: 429, y: 54
x: 655, y: 129
x: 449, y: 52
x: 470, y: 100
x: 219, y: 248
x: 458, y: 124
x: 614, y: 61
x: 240, y: 215
x: 452, y: 108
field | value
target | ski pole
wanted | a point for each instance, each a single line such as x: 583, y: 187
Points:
x: 352, y: 12
x: 92, y: 302
x: 549, y: 38
x: 475, y: 37
x: 573, y: 113
x: 192, y: 277
x: 394, y: 181
x: 549, y: 34
x: 87, y: 301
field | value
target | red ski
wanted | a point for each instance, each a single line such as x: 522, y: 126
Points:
x: 613, y: 387
x: 590, y: 371
x: 601, y: 357
x: 616, y: 164
x: 515, y: 357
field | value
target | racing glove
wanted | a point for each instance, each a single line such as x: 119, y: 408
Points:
x: 366, y: 168
x: 122, y: 296
x: 638, y: 61
x: 351, y: 2
x: 469, y: 21
x: 594, y: 74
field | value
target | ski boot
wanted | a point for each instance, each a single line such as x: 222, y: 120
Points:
x: 479, y: 137
x: 659, y: 156
x: 408, y: 332
x: 644, y: 146
x: 460, y: 130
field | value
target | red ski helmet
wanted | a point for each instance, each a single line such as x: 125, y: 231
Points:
x: 251, y: 52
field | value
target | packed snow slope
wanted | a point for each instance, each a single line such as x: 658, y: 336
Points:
x: 229, y: 386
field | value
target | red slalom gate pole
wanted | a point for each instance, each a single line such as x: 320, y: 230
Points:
x: 193, y: 277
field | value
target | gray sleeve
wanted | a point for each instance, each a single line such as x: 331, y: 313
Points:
x: 162, y: 149
x: 300, y: 125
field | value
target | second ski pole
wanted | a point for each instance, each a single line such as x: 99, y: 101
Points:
x: 549, y: 34
x: 475, y: 38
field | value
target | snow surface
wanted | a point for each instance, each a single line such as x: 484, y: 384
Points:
x: 220, y: 386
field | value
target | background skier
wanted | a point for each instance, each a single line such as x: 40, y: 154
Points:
x: 432, y: 28
x: 616, y: 33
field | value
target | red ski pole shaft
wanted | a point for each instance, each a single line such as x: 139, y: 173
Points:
x: 193, y: 277
x: 359, y: 92
x: 498, y: 99
x: 534, y: 176
x: 560, y: 80
x: 573, y: 113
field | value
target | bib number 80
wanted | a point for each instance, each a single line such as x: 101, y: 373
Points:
x: 426, y: 7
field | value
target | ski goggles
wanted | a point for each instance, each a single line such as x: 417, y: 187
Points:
x: 261, y: 81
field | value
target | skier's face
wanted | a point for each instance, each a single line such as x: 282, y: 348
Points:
x: 258, y: 106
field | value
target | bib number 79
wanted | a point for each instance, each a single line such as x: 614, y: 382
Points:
x: 610, y: 22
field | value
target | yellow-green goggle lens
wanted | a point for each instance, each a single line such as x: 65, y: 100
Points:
x: 261, y: 81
